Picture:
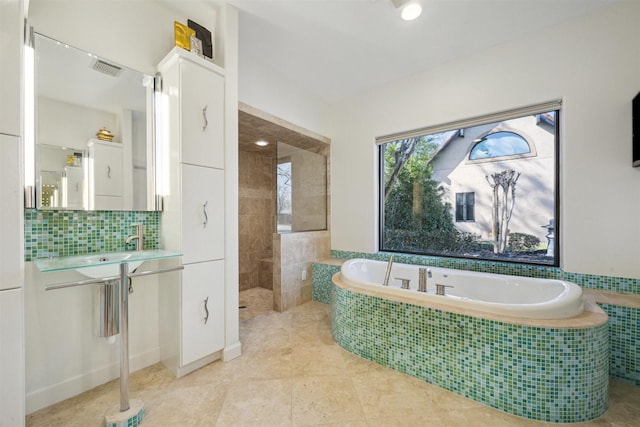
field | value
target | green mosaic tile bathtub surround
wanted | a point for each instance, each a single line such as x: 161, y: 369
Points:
x: 553, y: 375
x: 63, y: 233
x: 321, y: 281
x: 624, y: 333
x: 609, y: 283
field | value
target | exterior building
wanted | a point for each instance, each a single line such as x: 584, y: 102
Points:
x: 525, y: 145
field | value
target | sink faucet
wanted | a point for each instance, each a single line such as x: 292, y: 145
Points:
x: 388, y: 273
x: 137, y: 237
x: 423, y: 274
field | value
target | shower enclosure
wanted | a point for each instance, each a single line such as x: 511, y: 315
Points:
x: 283, y: 206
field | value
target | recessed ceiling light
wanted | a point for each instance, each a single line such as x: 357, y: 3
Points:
x: 411, y: 11
x: 262, y: 143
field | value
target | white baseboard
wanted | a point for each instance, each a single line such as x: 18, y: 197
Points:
x: 232, y: 351
x: 73, y: 386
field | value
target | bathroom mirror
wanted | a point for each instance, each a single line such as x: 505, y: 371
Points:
x: 93, y: 132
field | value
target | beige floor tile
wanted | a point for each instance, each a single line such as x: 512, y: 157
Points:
x: 324, y: 400
x: 292, y: 372
x: 192, y: 406
x: 318, y: 360
x: 257, y: 403
x: 266, y: 340
x: 312, y: 333
x: 385, y: 394
x: 264, y: 365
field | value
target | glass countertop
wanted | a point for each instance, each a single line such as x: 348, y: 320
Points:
x: 75, y: 262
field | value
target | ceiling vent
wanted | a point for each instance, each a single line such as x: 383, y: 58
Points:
x: 107, y: 68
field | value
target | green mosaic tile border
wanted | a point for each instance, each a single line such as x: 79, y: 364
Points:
x: 609, y: 283
x: 553, y: 375
x: 64, y: 233
x: 624, y: 332
x: 321, y: 281
x: 134, y: 421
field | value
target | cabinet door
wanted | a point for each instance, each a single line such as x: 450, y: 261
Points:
x: 107, y: 167
x: 202, y: 214
x: 11, y: 42
x: 202, y: 310
x: 202, y: 114
x: 11, y: 358
x: 11, y: 213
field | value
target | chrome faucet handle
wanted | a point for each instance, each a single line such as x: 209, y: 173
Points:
x: 422, y: 279
x: 440, y: 288
x: 388, y: 272
x: 405, y: 282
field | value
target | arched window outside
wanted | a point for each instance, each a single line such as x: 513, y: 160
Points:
x: 499, y: 144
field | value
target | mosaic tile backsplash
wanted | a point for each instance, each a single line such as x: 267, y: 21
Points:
x: 62, y: 233
x: 553, y: 375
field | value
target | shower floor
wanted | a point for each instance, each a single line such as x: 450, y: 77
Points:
x: 256, y: 301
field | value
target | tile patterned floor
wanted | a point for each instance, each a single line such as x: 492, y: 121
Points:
x: 292, y: 373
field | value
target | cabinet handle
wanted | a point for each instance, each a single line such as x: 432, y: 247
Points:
x: 206, y: 217
x: 206, y: 309
x: 108, y: 171
x: 204, y: 116
x: 77, y: 187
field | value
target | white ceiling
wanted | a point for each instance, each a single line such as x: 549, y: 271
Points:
x: 338, y: 48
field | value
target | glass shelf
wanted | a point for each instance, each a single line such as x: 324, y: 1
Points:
x: 74, y: 262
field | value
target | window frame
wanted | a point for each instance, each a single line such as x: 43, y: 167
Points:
x: 531, y: 110
x: 465, y: 207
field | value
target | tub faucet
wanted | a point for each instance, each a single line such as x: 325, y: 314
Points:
x: 137, y: 237
x: 440, y: 289
x: 405, y: 283
x: 423, y: 274
x: 388, y: 273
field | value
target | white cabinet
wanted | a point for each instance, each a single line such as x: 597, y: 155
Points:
x: 11, y: 35
x: 202, y: 310
x: 11, y: 358
x: 192, y: 330
x: 106, y: 175
x: 202, y: 113
x: 11, y: 213
x: 202, y: 214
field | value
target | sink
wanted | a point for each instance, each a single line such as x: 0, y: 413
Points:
x: 99, y: 265
x: 105, y: 265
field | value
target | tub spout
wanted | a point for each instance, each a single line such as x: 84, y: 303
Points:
x: 388, y: 273
x: 423, y: 274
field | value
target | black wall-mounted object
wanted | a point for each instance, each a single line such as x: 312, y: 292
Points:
x: 635, y: 118
x: 204, y: 35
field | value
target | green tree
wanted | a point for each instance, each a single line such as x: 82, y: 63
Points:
x: 416, y: 218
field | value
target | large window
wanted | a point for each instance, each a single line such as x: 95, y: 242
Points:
x: 485, y: 188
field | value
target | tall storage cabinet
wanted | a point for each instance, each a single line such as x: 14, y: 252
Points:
x: 192, y: 302
x: 12, y: 381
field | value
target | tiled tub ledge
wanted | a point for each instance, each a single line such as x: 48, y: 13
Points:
x: 547, y: 370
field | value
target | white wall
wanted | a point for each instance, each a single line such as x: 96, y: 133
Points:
x: 65, y: 356
x: 136, y: 34
x: 593, y: 65
x: 69, y: 125
x: 265, y: 89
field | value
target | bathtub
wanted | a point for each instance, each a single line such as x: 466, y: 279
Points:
x: 529, y: 347
x: 522, y: 297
